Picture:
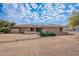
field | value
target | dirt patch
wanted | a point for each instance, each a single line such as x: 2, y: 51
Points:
x: 15, y: 37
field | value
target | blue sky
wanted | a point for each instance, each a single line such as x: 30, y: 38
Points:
x: 37, y: 13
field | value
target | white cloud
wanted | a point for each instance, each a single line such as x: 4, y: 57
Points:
x: 60, y: 11
x: 21, y: 12
x: 34, y: 5
x: 16, y: 12
x: 77, y: 4
x: 71, y: 9
x: 59, y: 6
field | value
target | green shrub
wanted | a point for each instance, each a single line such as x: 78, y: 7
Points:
x: 47, y: 33
x: 52, y: 34
x: 5, y: 26
x: 43, y: 34
x: 4, y: 30
x: 0, y: 29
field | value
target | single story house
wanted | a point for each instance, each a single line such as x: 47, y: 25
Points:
x: 34, y: 28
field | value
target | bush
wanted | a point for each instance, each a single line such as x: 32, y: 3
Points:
x: 42, y: 33
x: 47, y: 33
x: 52, y: 34
x: 4, y: 30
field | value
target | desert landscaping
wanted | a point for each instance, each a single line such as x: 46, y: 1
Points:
x: 33, y: 45
x: 39, y: 29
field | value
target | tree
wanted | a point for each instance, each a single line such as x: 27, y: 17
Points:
x: 5, y: 26
x: 73, y: 19
x: 4, y: 23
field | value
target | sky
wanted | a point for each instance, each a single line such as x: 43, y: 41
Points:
x: 37, y: 13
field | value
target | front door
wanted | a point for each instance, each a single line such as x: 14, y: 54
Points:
x: 60, y: 29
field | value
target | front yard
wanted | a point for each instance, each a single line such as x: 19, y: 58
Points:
x: 41, y: 46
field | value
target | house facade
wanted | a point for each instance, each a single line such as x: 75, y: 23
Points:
x: 35, y: 28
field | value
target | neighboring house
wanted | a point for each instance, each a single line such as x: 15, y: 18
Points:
x: 34, y: 28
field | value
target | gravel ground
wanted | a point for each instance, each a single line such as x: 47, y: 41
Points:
x: 64, y: 45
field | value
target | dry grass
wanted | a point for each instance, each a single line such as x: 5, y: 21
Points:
x: 45, y: 46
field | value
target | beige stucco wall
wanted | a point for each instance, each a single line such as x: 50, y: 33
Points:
x: 51, y: 29
x: 27, y: 29
x: 24, y: 29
